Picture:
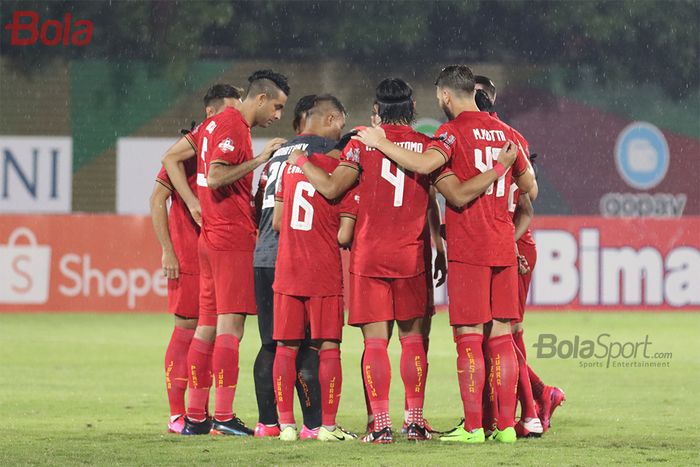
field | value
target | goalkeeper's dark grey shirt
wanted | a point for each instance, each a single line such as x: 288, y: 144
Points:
x: 266, y: 247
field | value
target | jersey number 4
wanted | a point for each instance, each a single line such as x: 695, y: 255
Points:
x: 301, y: 205
x: 484, y: 165
x: 397, y: 180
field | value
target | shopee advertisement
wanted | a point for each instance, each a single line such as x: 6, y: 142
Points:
x: 80, y: 263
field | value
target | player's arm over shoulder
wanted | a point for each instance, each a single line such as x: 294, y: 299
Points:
x: 523, y: 174
x: 422, y: 163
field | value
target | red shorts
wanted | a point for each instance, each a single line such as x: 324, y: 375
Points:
x: 292, y: 315
x: 183, y: 296
x: 530, y: 254
x: 479, y: 294
x: 226, y: 283
x: 376, y: 299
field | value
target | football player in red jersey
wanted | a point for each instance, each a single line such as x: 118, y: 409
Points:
x: 177, y: 233
x: 387, y: 265
x: 309, y: 225
x: 226, y: 242
x: 431, y: 236
x: 186, y: 147
x: 322, y: 117
x: 535, y: 418
x: 478, y: 150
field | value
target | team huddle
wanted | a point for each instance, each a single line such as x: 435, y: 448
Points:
x: 230, y: 251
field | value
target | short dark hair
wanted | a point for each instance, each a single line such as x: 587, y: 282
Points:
x: 486, y: 82
x: 394, y: 99
x: 267, y: 81
x: 220, y: 91
x: 303, y: 105
x: 456, y: 77
x: 331, y: 99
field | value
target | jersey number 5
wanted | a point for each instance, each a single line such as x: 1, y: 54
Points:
x: 301, y: 204
x: 484, y: 165
x: 395, y: 179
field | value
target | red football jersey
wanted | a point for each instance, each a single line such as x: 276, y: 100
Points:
x: 391, y: 218
x: 482, y: 232
x: 184, y: 231
x: 228, y: 214
x: 514, y: 195
x: 193, y: 136
x: 308, y: 257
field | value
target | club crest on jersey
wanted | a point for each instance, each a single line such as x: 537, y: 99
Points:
x: 353, y: 155
x: 447, y: 138
x: 226, y: 145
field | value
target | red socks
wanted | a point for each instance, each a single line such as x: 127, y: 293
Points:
x: 176, y: 368
x: 330, y: 376
x: 490, y: 403
x: 413, y: 365
x: 535, y: 382
x: 504, y: 367
x: 199, y: 376
x: 471, y: 375
x: 225, y: 366
x: 377, y: 372
x: 284, y: 373
x: 527, y: 403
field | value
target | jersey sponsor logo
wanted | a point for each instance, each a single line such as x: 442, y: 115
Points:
x: 447, y: 138
x: 641, y: 155
x: 226, y: 145
x: 353, y: 155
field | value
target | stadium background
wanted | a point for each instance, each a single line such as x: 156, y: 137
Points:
x: 82, y: 130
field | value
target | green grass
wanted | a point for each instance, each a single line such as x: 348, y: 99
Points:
x: 88, y: 389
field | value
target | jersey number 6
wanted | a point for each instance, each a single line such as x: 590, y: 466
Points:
x: 302, y: 204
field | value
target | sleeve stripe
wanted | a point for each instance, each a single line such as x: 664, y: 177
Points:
x: 189, y: 140
x: 443, y: 176
x: 352, y: 165
x: 165, y: 184
x: 348, y: 215
x: 442, y: 153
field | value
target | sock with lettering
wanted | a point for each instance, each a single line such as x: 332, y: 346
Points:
x: 225, y: 366
x: 176, y: 368
x: 330, y: 375
x: 471, y: 376
x: 413, y: 370
x: 284, y: 376
x: 504, y: 365
x: 377, y: 373
x: 199, y: 378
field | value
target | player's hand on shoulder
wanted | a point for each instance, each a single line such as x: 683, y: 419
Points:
x: 370, y: 136
x: 171, y: 267
x: 508, y: 153
x: 295, y: 155
x: 273, y: 145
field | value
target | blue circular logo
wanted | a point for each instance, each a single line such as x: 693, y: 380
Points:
x: 641, y: 155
